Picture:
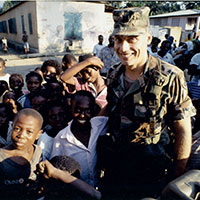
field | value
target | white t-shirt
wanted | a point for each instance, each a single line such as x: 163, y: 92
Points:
x: 97, y: 49
x: 65, y: 143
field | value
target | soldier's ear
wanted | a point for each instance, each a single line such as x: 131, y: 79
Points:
x: 149, y: 38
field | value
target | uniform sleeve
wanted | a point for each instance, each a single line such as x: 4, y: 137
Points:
x: 180, y: 105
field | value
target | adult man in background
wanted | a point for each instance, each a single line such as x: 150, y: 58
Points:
x: 99, y: 46
x: 149, y: 113
x: 108, y: 56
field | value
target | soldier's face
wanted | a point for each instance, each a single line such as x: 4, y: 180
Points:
x: 132, y: 50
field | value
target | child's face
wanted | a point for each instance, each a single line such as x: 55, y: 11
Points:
x: 16, y: 84
x: 38, y: 103
x: 33, y: 84
x: 57, y: 117
x: 3, y: 116
x: 89, y: 74
x: 25, y: 131
x: 49, y: 73
x: 81, y: 110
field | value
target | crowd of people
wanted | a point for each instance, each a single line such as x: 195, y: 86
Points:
x: 115, y: 124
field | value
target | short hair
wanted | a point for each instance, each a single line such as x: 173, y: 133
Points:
x: 9, y: 111
x: 66, y: 163
x: 2, y: 61
x: 68, y: 58
x: 52, y: 63
x: 100, y: 36
x: 34, y: 74
x: 19, y: 76
x: 84, y: 93
x: 30, y: 112
x: 84, y: 57
x: 41, y: 93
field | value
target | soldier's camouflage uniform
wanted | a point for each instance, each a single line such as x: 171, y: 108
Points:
x: 140, y: 119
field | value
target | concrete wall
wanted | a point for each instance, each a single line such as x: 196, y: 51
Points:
x: 24, y: 9
x: 52, y: 18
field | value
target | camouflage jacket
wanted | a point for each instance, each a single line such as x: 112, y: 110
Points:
x: 144, y: 113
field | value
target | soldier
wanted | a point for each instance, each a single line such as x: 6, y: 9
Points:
x: 149, y: 109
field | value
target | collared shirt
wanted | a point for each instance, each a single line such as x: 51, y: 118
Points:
x: 65, y: 143
x: 109, y: 58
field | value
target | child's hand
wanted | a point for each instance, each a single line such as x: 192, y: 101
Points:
x: 47, y: 169
x: 95, y: 61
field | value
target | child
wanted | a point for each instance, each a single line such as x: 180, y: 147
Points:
x: 68, y: 61
x: 91, y: 80
x: 6, y: 117
x: 79, y: 138
x: 57, y: 120
x: 62, y: 173
x: 34, y: 84
x: 55, y: 90
x: 16, y: 82
x: 50, y: 69
x: 18, y: 160
x: 3, y: 76
x: 3, y: 89
x: 10, y: 98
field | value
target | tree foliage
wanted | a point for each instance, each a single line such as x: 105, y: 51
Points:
x: 157, y: 7
x: 8, y: 4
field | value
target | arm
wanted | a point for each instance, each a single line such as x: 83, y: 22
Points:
x: 68, y: 75
x: 49, y: 171
x: 182, y: 146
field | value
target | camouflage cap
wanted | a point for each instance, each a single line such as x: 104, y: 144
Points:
x: 131, y: 21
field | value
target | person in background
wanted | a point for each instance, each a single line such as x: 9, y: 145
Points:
x: 26, y: 44
x: 10, y: 98
x: 5, y: 44
x: 108, y: 56
x: 51, y: 70
x: 153, y: 47
x: 34, y: 84
x: 89, y: 67
x: 57, y: 119
x: 16, y: 83
x: 3, y: 76
x: 68, y: 61
x: 6, y: 117
x: 99, y: 46
x: 163, y: 52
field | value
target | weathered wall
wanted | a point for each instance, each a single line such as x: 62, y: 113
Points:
x: 24, y: 9
x: 77, y: 22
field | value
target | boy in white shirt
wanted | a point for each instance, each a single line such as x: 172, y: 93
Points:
x: 79, y: 138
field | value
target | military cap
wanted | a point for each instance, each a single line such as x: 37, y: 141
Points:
x: 131, y: 21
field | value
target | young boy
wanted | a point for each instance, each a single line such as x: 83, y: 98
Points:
x: 18, y: 160
x: 34, y: 84
x: 61, y: 180
x: 79, y: 138
x: 90, y: 80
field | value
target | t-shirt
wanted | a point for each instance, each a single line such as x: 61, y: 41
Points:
x: 14, y: 177
x: 97, y: 49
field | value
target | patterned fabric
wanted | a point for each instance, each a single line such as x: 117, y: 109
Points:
x: 143, y: 114
x: 131, y: 21
x: 109, y: 58
x: 100, y: 98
